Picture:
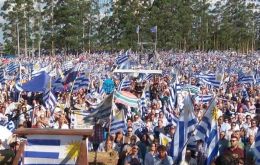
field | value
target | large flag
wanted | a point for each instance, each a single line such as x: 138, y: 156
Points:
x: 52, y: 149
x: 207, y: 130
x: 37, y: 84
x: 117, y: 120
x: 126, y: 98
x: 100, y: 112
x: 186, y: 125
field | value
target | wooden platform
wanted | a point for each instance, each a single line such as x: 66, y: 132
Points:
x: 103, y: 158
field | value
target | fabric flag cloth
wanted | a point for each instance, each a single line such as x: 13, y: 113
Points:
x: 50, y: 100
x: 124, y: 84
x: 5, y: 134
x: 12, y: 67
x: 191, y: 88
x: 72, y: 75
x: 122, y: 58
x: 81, y: 82
x: 126, y: 98
x: 100, y: 112
x: 203, y: 98
x: 137, y: 29
x: 37, y: 84
x: 186, y: 125
x: 117, y: 120
x: 207, y: 130
x: 164, y: 140
x: 245, y: 78
x: 153, y: 29
x: 51, y: 149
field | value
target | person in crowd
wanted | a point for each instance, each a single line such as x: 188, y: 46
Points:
x: 133, y: 157
x: 223, y: 142
x: 253, y: 129
x: 162, y: 158
x: 150, y: 156
x: 234, y: 149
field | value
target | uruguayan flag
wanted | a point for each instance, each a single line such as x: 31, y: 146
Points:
x: 81, y: 82
x: 124, y: 84
x: 12, y: 67
x: 245, y: 78
x: 118, y: 120
x: 51, y: 149
x: 186, y: 125
x: 50, y: 100
x: 148, y: 77
x: 207, y: 131
x: 203, y: 98
x: 164, y: 140
x: 122, y: 58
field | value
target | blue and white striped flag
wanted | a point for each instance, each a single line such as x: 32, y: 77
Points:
x: 204, y: 98
x: 118, y: 120
x: 245, y: 93
x: 245, y: 78
x: 172, y: 98
x: 207, y: 130
x: 185, y: 127
x: 81, y: 82
x: 51, y: 149
x: 50, y: 100
x: 148, y: 77
x: 2, y: 77
x: 124, y: 84
x: 122, y: 58
x: 12, y: 67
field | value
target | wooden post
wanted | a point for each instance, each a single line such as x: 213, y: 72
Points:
x: 19, y: 153
x: 82, y: 158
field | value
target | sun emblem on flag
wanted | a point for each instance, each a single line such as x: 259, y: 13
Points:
x: 215, y: 114
x: 72, y: 149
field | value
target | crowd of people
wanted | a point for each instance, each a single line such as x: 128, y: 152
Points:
x: 140, y: 142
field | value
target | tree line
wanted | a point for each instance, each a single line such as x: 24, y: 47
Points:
x: 87, y: 25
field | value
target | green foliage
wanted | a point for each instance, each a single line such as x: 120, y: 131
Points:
x: 83, y: 25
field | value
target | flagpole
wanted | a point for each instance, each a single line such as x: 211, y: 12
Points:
x: 111, y: 111
x: 138, y: 39
x: 155, y: 46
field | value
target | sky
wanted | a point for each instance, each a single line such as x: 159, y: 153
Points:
x: 1, y: 20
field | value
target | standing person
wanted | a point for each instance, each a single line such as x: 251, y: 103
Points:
x: 150, y: 156
x: 234, y: 149
x: 253, y: 129
x: 162, y: 158
x: 133, y: 157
